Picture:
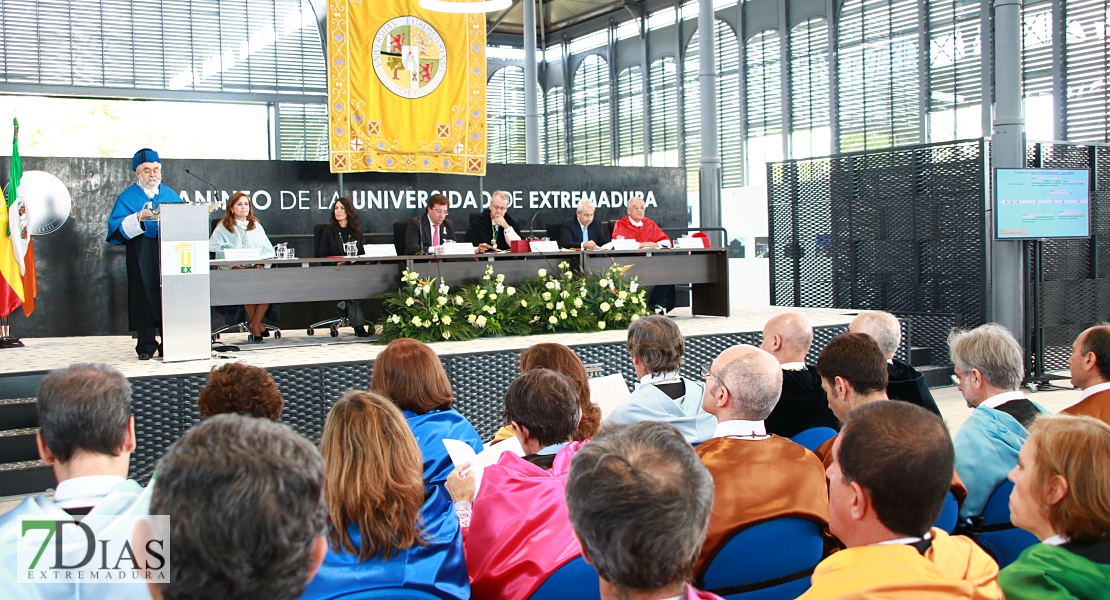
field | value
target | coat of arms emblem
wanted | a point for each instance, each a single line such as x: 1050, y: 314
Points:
x: 409, y: 57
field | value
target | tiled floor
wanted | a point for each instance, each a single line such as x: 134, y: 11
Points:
x: 296, y: 348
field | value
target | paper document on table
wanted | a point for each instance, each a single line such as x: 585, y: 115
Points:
x: 609, y: 392
x: 461, y: 453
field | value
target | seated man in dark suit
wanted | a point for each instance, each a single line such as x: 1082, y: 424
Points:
x: 428, y: 232
x: 904, y: 383
x: 802, y: 404
x: 581, y: 231
x: 495, y: 229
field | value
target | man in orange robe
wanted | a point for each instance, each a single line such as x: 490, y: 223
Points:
x: 892, y: 465
x: 1090, y: 372
x: 756, y: 477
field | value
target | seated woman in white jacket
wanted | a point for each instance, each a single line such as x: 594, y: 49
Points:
x: 240, y: 229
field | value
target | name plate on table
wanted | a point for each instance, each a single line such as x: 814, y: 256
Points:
x: 625, y: 245
x: 543, y: 246
x: 456, y: 249
x: 377, y: 250
x: 242, y: 254
x: 689, y: 242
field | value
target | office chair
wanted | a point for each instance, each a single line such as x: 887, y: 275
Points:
x: 235, y: 320
x: 772, y: 560
x: 342, y: 321
x: 576, y: 579
x: 997, y: 534
x: 813, y: 438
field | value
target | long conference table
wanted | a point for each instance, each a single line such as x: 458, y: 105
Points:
x: 320, y: 279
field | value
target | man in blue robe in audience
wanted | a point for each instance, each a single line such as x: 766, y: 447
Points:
x: 132, y: 225
x: 662, y: 394
x: 87, y: 434
x: 988, y: 362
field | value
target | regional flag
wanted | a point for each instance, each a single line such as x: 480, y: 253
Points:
x: 17, y: 254
x: 406, y: 88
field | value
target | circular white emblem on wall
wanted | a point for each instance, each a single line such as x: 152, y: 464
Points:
x: 48, y: 201
x: 409, y: 57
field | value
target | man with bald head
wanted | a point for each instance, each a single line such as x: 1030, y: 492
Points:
x: 1090, y: 371
x: 802, y: 405
x: 904, y: 382
x: 756, y: 476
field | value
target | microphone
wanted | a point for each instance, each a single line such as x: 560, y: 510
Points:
x: 532, y: 225
x: 212, y: 185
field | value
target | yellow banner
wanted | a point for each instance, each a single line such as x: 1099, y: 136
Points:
x: 407, y: 88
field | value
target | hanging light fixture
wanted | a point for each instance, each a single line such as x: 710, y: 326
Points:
x: 464, y: 6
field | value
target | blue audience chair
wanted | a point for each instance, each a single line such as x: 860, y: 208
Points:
x: 997, y: 535
x: 390, y: 594
x: 812, y: 438
x: 772, y: 560
x: 576, y: 579
x: 949, y: 514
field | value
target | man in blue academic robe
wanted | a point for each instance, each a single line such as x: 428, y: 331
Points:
x: 131, y: 225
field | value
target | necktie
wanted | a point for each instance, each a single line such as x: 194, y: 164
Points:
x: 435, y: 235
x: 585, y: 235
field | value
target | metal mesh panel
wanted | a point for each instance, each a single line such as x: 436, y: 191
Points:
x: 480, y: 382
x: 163, y: 409
x: 929, y: 330
x: 1074, y: 289
x: 901, y: 230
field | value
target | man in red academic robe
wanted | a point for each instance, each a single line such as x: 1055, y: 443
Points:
x: 1090, y: 372
x: 639, y: 501
x: 638, y: 227
x: 742, y: 386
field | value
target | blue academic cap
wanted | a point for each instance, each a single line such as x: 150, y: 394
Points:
x: 144, y: 156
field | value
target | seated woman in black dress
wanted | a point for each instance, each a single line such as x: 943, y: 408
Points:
x: 344, y: 227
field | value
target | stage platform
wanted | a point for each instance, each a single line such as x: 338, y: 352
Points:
x: 312, y: 372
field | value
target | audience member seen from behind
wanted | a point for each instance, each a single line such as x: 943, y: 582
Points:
x: 741, y: 387
x: 86, y: 434
x: 427, y: 233
x: 242, y: 389
x: 581, y: 230
x: 989, y: 366
x: 640, y: 502
x: 517, y: 529
x: 410, y: 374
x: 903, y: 382
x: 388, y: 534
x: 240, y: 229
x: 662, y: 394
x: 853, y: 373
x: 344, y: 227
x: 892, y: 466
x: 561, y: 359
x: 222, y: 484
x: 788, y: 337
x: 1062, y: 495
x: 1090, y: 371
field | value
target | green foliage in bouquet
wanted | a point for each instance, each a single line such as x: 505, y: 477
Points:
x: 614, y: 301
x: 554, y: 301
x: 424, y: 310
x: 494, y: 308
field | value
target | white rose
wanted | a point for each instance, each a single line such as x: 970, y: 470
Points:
x: 500, y: 278
x: 604, y: 307
x: 555, y: 284
x: 603, y: 282
x: 510, y: 290
x: 622, y: 294
x: 481, y: 321
x: 619, y: 303
x: 409, y: 301
x: 563, y: 315
x: 542, y: 272
x: 396, y: 319
x: 546, y: 296
x: 573, y: 313
x: 601, y: 324
x: 500, y: 289
x: 559, y: 305
x: 435, y: 318
x: 584, y: 292
x: 470, y: 319
x: 524, y: 303
x: 446, y: 335
x: 549, y: 285
x: 427, y: 324
x: 442, y: 300
x: 458, y: 300
x: 552, y: 320
x: 577, y: 303
x: 416, y: 321
x: 446, y: 319
x: 491, y: 309
x: 564, y: 294
x: 493, y: 296
x: 549, y: 306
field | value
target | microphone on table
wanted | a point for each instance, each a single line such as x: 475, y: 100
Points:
x: 212, y: 185
x: 532, y: 225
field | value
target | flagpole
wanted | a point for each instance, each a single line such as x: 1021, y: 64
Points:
x: 5, y: 340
